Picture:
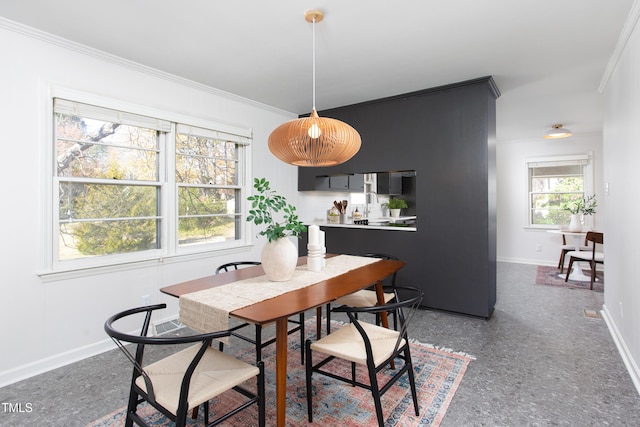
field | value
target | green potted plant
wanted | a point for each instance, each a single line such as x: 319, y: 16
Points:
x: 279, y: 255
x: 395, y: 205
x: 579, y: 208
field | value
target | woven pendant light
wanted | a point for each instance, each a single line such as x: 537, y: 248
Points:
x: 314, y: 141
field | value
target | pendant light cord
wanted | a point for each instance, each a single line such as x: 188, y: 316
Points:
x: 313, y: 32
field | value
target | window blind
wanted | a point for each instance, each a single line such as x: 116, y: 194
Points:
x: 65, y: 106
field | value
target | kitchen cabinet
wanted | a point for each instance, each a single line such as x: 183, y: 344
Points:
x: 389, y: 183
x: 353, y: 182
x: 356, y: 182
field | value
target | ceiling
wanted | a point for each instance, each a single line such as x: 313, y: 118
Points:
x: 547, y: 57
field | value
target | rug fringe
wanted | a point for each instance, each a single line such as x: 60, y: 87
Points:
x: 445, y: 349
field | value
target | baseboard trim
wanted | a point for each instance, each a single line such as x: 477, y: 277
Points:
x: 50, y: 363
x: 527, y: 261
x: 627, y: 358
x: 38, y: 367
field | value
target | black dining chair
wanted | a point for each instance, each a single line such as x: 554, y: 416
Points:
x: 257, y: 342
x: 187, y: 378
x: 364, y: 297
x: 370, y: 345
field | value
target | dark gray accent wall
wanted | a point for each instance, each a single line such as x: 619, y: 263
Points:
x: 447, y: 135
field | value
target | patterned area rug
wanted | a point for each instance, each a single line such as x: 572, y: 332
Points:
x: 438, y: 375
x: 550, y: 276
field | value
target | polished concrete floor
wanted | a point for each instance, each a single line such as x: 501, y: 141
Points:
x: 539, y: 362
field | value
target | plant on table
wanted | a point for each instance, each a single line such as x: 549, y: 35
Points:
x: 265, y: 204
x: 582, y: 206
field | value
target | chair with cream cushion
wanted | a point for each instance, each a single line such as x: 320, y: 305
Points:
x: 592, y: 256
x: 370, y: 345
x: 364, y: 297
x: 187, y: 378
x: 564, y: 248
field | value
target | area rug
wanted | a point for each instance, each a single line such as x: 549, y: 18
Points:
x: 438, y: 375
x: 550, y: 276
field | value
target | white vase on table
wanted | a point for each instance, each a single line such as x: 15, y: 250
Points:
x: 279, y: 259
x: 575, y: 225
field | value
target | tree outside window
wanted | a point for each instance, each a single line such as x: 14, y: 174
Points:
x: 109, y: 194
x: 552, y: 184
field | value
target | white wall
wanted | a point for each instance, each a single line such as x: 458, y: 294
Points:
x: 516, y: 242
x: 47, y: 324
x: 622, y: 153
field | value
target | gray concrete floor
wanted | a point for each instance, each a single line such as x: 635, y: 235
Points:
x: 540, y: 362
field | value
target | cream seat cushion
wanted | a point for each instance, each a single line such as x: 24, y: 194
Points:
x: 573, y: 247
x: 586, y: 255
x: 363, y: 298
x: 347, y: 343
x: 216, y: 373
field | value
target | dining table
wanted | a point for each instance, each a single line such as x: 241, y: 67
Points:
x: 315, y: 294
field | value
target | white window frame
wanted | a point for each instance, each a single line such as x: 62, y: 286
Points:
x: 52, y: 269
x: 586, y: 159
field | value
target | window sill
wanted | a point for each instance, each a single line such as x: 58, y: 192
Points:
x: 79, y: 272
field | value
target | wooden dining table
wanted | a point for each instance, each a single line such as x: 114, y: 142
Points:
x: 280, y: 308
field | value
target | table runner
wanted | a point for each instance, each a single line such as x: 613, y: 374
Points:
x: 208, y: 310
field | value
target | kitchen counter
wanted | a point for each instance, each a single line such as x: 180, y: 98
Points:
x: 375, y: 224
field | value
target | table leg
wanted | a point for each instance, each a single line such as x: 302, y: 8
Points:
x: 281, y: 370
x: 318, y: 322
x: 380, y: 294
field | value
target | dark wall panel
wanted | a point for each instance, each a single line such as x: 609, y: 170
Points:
x: 447, y: 135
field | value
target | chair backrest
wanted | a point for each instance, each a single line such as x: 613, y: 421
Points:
x: 404, y: 309
x: 386, y: 257
x: 121, y: 338
x: 234, y: 265
x: 595, y: 237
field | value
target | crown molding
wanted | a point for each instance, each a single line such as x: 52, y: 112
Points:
x: 45, y: 37
x: 623, y: 38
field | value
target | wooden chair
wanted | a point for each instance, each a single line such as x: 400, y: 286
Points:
x: 364, y: 297
x: 568, y: 248
x: 258, y: 337
x: 187, y: 378
x: 370, y: 345
x: 592, y: 256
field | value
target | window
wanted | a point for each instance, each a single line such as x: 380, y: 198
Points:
x: 132, y: 187
x: 209, y: 194
x: 554, y: 182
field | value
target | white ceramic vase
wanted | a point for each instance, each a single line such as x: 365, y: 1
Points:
x: 575, y: 225
x: 395, y: 213
x: 279, y: 259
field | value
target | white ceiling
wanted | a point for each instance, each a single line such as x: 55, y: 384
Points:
x: 548, y: 57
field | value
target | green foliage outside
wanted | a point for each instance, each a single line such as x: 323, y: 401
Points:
x: 548, y: 207
x: 122, y: 215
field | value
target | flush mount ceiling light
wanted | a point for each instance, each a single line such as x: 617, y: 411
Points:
x: 314, y: 141
x: 557, y: 131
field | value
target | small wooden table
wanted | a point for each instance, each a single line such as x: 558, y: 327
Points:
x: 280, y: 308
